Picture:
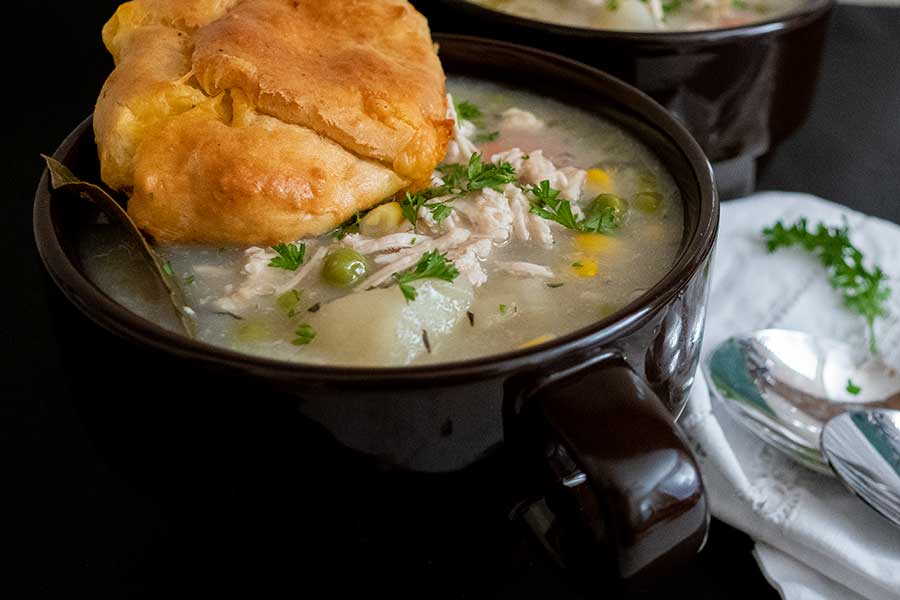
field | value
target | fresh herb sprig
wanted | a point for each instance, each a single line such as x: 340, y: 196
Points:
x: 864, y: 291
x: 483, y: 175
x: 290, y: 256
x: 458, y: 181
x: 466, y: 111
x: 852, y: 388
x: 550, y: 206
x: 432, y: 265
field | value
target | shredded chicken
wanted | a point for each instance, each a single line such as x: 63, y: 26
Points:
x: 409, y: 257
x: 526, y: 225
x: 312, y: 263
x: 524, y: 269
x: 537, y: 168
x: 460, y: 148
x: 394, y: 241
x: 468, y: 260
x: 488, y: 214
x: 262, y: 280
x: 516, y: 118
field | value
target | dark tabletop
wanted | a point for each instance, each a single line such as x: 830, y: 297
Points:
x: 86, y: 518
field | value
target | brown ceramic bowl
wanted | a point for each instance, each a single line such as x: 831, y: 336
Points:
x: 739, y: 91
x: 590, y: 416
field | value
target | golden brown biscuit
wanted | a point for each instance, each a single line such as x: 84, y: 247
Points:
x: 255, y: 181
x: 264, y: 121
x: 362, y: 72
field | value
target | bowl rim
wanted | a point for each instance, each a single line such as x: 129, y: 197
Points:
x: 811, y: 10
x: 114, y: 317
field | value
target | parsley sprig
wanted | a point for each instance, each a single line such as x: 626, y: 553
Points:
x: 458, y: 181
x: 488, y: 175
x: 432, y: 265
x: 466, y: 111
x: 864, y: 291
x: 546, y: 203
x: 290, y: 256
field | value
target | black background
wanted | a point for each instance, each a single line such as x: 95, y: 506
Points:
x: 85, y: 518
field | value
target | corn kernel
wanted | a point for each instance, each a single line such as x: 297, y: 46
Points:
x: 598, y: 180
x: 537, y: 341
x: 382, y: 220
x: 595, y: 243
x: 585, y: 267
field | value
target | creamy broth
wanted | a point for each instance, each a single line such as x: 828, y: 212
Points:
x: 510, y: 292
x: 645, y: 15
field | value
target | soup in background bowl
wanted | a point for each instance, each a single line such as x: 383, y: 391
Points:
x: 579, y: 416
x: 646, y: 15
x: 739, y: 88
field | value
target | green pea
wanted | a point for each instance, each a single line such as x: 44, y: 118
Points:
x: 603, y: 201
x: 344, y: 268
x: 648, y: 202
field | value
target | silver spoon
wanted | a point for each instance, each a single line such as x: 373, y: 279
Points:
x: 785, y: 385
x: 863, y: 448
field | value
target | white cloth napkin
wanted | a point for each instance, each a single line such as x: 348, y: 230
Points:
x: 815, y: 540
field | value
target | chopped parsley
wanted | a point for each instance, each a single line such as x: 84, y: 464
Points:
x: 555, y: 285
x: 189, y: 279
x: 410, y: 206
x: 290, y: 256
x: 852, y: 388
x: 503, y: 309
x: 440, y: 211
x: 304, y: 335
x: 864, y: 291
x: 432, y: 265
x: 488, y: 175
x: 466, y: 111
x: 483, y: 138
x: 458, y: 180
x: 547, y: 204
x: 167, y: 268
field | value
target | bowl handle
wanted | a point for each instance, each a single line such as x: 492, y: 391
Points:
x: 622, y: 489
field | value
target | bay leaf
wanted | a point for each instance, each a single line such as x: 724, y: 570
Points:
x: 61, y: 178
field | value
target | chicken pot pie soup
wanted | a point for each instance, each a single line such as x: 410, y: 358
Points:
x: 540, y: 220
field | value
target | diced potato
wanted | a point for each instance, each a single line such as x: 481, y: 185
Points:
x: 379, y: 327
x: 596, y: 243
x: 537, y: 341
x: 598, y: 180
x: 584, y: 267
x: 382, y: 220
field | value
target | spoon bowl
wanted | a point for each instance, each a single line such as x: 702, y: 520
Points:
x: 784, y: 386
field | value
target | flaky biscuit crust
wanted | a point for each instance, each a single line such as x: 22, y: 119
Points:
x: 265, y: 121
